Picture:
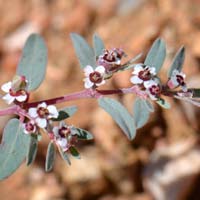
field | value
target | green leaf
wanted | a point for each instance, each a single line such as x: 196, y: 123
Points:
x: 50, y: 157
x: 13, y: 148
x: 156, y: 55
x: 141, y: 113
x: 74, y: 152
x: 98, y: 45
x: 32, y: 151
x: 163, y: 103
x: 33, y: 61
x: 120, y: 114
x: 65, y: 113
x: 195, y: 92
x: 83, y: 51
x: 65, y: 156
x: 83, y: 134
x: 177, y: 63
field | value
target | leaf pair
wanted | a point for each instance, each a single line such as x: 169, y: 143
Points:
x: 86, y: 54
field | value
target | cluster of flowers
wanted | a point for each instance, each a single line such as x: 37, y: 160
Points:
x: 108, y: 63
x: 39, y: 117
x: 142, y: 75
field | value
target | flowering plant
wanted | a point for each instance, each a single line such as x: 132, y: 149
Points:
x: 21, y: 135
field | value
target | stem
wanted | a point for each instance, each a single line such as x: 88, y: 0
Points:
x: 9, y: 111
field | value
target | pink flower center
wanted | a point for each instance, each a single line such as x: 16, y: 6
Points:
x: 29, y: 127
x: 42, y: 112
x: 64, y: 131
x: 145, y: 74
x: 155, y: 90
x: 180, y: 80
x: 95, y: 77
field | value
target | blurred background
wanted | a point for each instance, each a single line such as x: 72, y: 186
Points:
x: 163, y: 161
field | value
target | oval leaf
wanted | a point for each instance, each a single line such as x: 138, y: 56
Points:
x: 195, y: 92
x: 98, y: 45
x: 141, y: 113
x: 50, y: 157
x: 156, y: 55
x: 65, y: 156
x: 177, y: 63
x: 83, y: 134
x: 74, y: 152
x: 13, y: 148
x: 120, y: 114
x: 83, y: 51
x: 33, y: 61
x: 32, y: 151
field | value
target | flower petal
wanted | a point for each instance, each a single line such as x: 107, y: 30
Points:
x: 21, y: 98
x: 33, y: 112
x: 100, y: 69
x: 136, y: 80
x: 102, y: 82
x: 152, y: 70
x: 137, y: 69
x: 6, y: 86
x: 8, y: 98
x: 41, y: 122
x: 53, y: 112
x: 62, y: 142
x: 148, y: 84
x: 55, y: 131
x: 88, y: 70
x: 88, y: 83
x: 43, y: 105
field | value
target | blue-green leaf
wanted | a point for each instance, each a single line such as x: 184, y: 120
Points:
x: 156, y: 55
x: 65, y: 156
x: 65, y: 113
x: 140, y: 112
x: 32, y: 150
x: 98, y: 45
x: 83, y: 134
x: 83, y: 51
x: 148, y: 105
x: 163, y: 103
x: 50, y: 157
x: 33, y: 61
x: 178, y: 61
x: 195, y: 92
x: 74, y: 152
x: 13, y: 148
x: 120, y: 114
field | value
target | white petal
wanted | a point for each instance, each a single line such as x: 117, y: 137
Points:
x: 175, y: 72
x: 42, y: 123
x: 62, y: 142
x: 136, y: 80
x: 137, y: 69
x: 53, y: 112
x: 148, y: 84
x: 8, y: 98
x: 43, y: 105
x: 88, y: 83
x: 102, y: 82
x: 152, y: 97
x: 21, y: 98
x: 100, y: 69
x: 88, y: 70
x: 33, y: 112
x: 6, y: 87
x: 153, y: 70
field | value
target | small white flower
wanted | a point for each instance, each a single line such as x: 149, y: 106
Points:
x: 29, y: 127
x: 94, y: 77
x: 153, y: 89
x: 42, y: 113
x: 11, y: 96
x: 177, y: 79
x: 64, y: 135
x: 142, y: 74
